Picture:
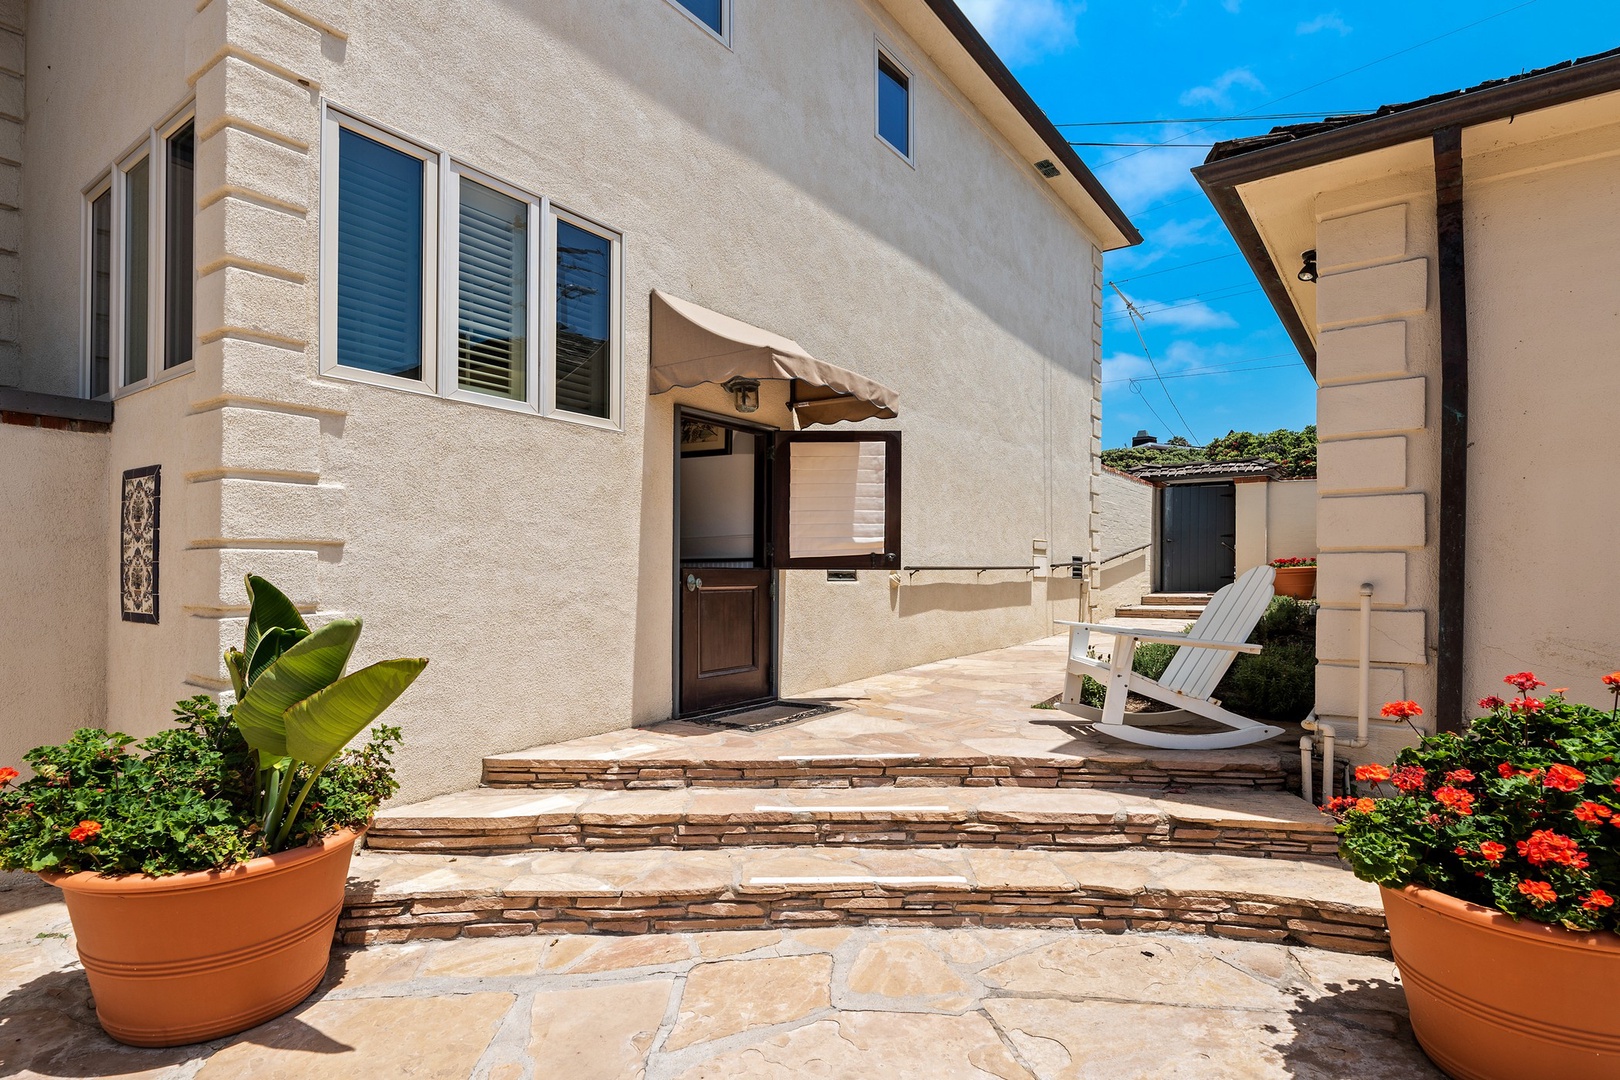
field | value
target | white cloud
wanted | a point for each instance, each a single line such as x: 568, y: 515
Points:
x: 1232, y: 6
x: 1219, y: 91
x: 1139, y: 178
x: 1177, y: 314
x: 1025, y: 30
x: 1326, y: 21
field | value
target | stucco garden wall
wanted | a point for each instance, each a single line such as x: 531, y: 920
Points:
x: 1126, y: 516
x: 1290, y: 519
x: 54, y: 579
x: 531, y: 559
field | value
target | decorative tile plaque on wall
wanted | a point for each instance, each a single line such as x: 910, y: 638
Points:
x: 138, y: 559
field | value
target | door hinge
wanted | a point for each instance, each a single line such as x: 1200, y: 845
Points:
x: 773, y: 586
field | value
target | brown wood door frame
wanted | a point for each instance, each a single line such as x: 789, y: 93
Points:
x: 781, y: 478
x: 762, y: 539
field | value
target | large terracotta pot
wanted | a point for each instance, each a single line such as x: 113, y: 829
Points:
x: 1296, y: 581
x: 192, y: 957
x: 1494, y: 999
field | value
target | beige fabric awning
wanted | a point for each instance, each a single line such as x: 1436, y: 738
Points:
x: 693, y: 345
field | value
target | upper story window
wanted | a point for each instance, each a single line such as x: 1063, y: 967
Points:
x: 893, y: 103
x: 139, y: 258
x: 440, y: 279
x: 712, y: 15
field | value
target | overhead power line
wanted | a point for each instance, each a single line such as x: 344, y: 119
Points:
x: 1143, y: 342
x: 1178, y: 266
x: 1244, y: 118
x: 1150, y: 145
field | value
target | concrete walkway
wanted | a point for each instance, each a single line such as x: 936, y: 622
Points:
x: 903, y: 1004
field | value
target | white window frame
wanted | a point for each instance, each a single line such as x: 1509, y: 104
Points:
x: 87, y: 288
x: 724, y: 34
x: 441, y: 286
x: 152, y: 146
x: 881, y: 52
x: 450, y: 292
x: 614, y: 421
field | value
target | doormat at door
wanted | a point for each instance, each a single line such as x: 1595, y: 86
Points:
x: 760, y: 717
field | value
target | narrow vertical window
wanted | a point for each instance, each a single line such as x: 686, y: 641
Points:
x: 492, y: 310
x: 101, y: 295
x: 137, y: 251
x: 894, y: 105
x: 179, y: 217
x: 379, y: 257
x: 584, y: 321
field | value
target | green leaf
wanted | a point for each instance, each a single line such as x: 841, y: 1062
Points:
x: 269, y: 610
x: 275, y: 641
x: 312, y: 664
x: 322, y: 724
x: 236, y: 664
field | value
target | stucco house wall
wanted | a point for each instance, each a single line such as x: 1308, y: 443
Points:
x: 55, y: 581
x: 1290, y: 519
x: 532, y: 559
x: 1126, y: 506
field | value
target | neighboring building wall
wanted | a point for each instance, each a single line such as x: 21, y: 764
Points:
x: 1542, y: 227
x: 1378, y: 458
x: 1290, y: 519
x: 1252, y: 520
x: 1125, y: 521
x: 531, y: 558
x: 13, y: 53
x: 54, y: 578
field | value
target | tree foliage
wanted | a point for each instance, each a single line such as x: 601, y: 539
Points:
x: 1293, y: 451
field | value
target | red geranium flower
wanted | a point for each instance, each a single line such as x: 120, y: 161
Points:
x: 1338, y: 803
x: 8, y: 774
x: 84, y: 831
x: 1492, y: 702
x: 1455, y: 799
x: 1546, y: 847
x: 1597, y: 900
x: 1612, y: 679
x: 1374, y: 772
x: 1592, y: 813
x: 1525, y: 681
x: 1459, y: 776
x: 1491, y: 851
x: 1539, y: 892
x: 1526, y: 705
x: 1400, y: 710
x: 1409, y: 778
x: 1563, y: 778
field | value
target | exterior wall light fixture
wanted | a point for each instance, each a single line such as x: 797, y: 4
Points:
x: 1307, y: 270
x: 745, y: 392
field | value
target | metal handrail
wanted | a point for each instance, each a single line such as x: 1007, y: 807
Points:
x: 1122, y: 554
x: 977, y: 570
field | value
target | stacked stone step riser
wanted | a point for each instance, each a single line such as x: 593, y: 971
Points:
x: 1318, y: 925
x: 830, y: 831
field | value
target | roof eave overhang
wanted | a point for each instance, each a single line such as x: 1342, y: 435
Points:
x: 993, y: 89
x: 1221, y: 178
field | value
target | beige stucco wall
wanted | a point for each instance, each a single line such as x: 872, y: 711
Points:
x: 1290, y: 519
x: 531, y: 559
x: 54, y: 580
x: 1126, y: 507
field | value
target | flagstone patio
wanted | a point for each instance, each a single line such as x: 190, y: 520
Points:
x: 905, y: 1004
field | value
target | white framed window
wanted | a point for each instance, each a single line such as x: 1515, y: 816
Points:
x: 438, y: 278
x: 894, y: 112
x: 139, y: 258
x: 712, y: 15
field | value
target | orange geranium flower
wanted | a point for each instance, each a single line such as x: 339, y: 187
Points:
x: 1612, y: 679
x: 1491, y: 851
x: 84, y: 831
x: 1366, y: 806
x: 1539, y: 892
x: 1455, y: 799
x: 1563, y: 778
x: 1546, y: 847
x: 1524, y: 681
x: 1400, y: 710
x: 1597, y: 900
x: 1592, y: 813
x: 8, y: 774
x: 1374, y: 772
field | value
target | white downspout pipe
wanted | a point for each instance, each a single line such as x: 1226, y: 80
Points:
x: 1305, y: 747
x: 1363, y: 708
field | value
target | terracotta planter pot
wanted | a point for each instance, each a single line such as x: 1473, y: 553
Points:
x: 192, y: 957
x: 1494, y: 999
x: 1296, y: 581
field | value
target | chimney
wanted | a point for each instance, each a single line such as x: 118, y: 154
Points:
x: 1143, y: 438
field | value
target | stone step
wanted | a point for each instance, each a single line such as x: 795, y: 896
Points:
x: 488, y: 820
x: 1177, y: 599
x: 1178, y: 613
x: 400, y: 896
x: 664, y: 762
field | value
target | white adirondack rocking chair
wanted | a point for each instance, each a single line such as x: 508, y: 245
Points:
x: 1207, y: 650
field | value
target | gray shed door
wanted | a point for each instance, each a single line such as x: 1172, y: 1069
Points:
x: 1198, y: 545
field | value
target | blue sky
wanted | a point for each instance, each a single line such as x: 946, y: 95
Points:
x: 1226, y: 359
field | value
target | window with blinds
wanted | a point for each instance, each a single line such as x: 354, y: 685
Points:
x: 379, y: 257
x: 493, y: 288
x: 585, y: 297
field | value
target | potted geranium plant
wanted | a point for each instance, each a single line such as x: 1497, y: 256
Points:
x: 1296, y: 577
x: 1498, y: 854
x: 204, y: 873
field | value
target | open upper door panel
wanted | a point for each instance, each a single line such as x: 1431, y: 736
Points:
x: 836, y: 500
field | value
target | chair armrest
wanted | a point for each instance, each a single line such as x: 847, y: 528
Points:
x: 1170, y: 637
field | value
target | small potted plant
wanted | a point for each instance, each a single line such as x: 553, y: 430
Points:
x: 204, y: 873
x: 1498, y: 854
x: 1296, y: 577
